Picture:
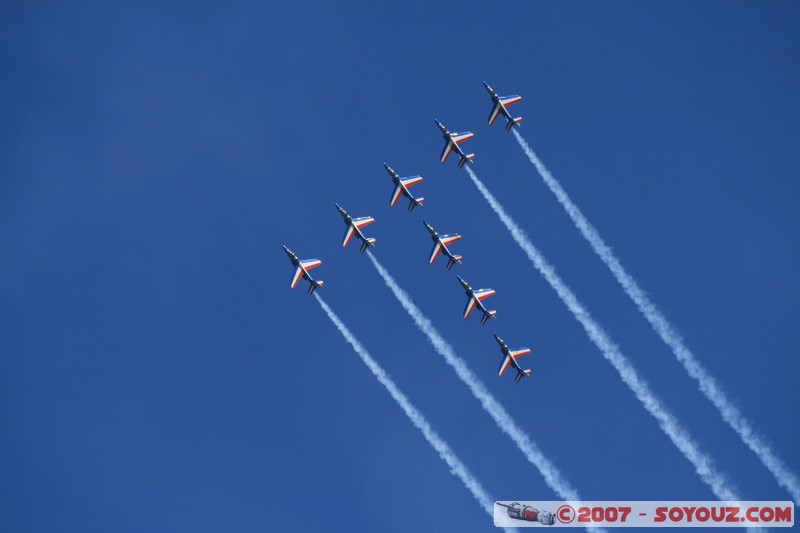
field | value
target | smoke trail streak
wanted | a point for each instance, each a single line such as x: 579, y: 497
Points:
x: 703, y: 464
x: 551, y: 475
x: 456, y: 466
x: 708, y: 385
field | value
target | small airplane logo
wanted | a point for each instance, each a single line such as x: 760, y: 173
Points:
x: 354, y: 226
x: 401, y: 186
x: 474, y: 299
x: 451, y: 144
x: 528, y: 513
x: 440, y: 243
x: 510, y: 359
x: 303, y: 266
x: 501, y: 104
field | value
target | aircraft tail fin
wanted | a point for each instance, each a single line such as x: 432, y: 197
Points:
x: 464, y: 160
x: 523, y: 374
x: 314, y: 285
x: 414, y: 203
x: 369, y: 242
x: 513, y: 123
x: 455, y: 259
x: 487, y: 316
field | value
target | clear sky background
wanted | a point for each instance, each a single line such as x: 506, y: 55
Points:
x: 158, y: 374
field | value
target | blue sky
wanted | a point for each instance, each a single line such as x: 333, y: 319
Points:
x: 158, y: 374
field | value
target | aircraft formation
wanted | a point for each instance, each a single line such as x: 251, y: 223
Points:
x: 511, y: 357
x: 355, y: 225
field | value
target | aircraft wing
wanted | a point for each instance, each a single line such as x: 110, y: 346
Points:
x: 459, y: 138
x: 455, y: 139
x: 297, y: 275
x: 357, y: 223
x: 396, y: 194
x: 348, y: 235
x: 411, y: 181
x: 504, y: 365
x: 452, y: 144
x: 398, y: 190
x: 437, y: 248
x: 448, y: 147
x: 470, y: 307
x: 473, y: 300
x: 516, y: 354
x: 502, y: 103
x: 449, y: 239
x: 306, y: 264
x: 482, y: 294
x: 495, y: 113
x: 511, y: 358
x: 361, y: 222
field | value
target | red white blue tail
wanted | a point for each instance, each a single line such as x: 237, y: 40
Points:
x: 314, y: 284
x: 367, y: 243
x: 511, y: 124
x: 487, y: 315
x: 453, y: 260
x: 414, y: 203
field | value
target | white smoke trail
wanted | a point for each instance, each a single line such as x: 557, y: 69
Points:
x: 708, y: 385
x: 456, y: 466
x: 680, y: 438
x: 551, y: 475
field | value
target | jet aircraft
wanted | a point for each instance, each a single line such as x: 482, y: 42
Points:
x: 440, y: 243
x: 501, y: 104
x: 475, y: 300
x: 401, y: 186
x: 510, y: 359
x: 303, y: 266
x: 354, y: 226
x: 452, y: 140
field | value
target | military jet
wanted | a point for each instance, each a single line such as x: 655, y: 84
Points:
x: 475, y: 300
x: 401, y: 186
x: 354, y: 226
x: 501, y: 104
x: 303, y: 266
x: 510, y: 359
x: 451, y: 143
x: 440, y: 243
